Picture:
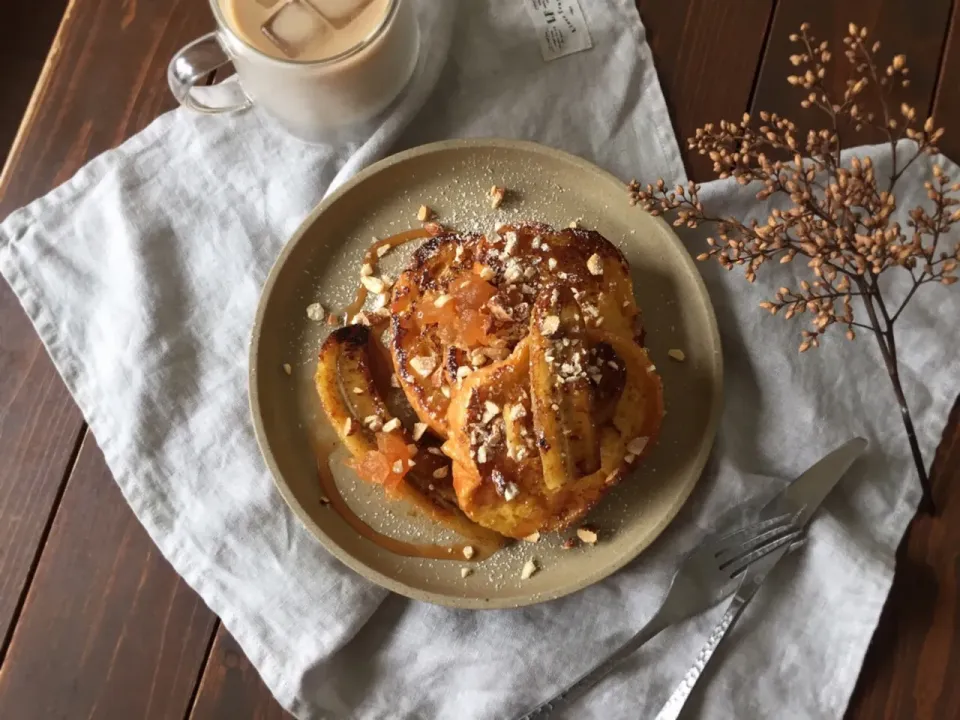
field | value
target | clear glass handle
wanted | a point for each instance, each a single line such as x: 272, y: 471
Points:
x: 194, y: 62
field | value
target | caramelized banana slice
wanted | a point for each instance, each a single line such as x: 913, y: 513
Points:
x: 563, y: 402
x: 358, y: 413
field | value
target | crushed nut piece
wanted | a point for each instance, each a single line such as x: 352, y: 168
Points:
x: 382, y: 250
x: 629, y: 458
x: 574, y: 224
x: 394, y: 381
x: 466, y: 572
x: 380, y: 301
x: 287, y: 369
x: 490, y: 411
x: 361, y: 318
x: 595, y: 265
x: 373, y: 284
x: 549, y: 325
x: 445, y: 391
x: 348, y: 426
x: 366, y: 270
x: 358, y: 391
x: 434, y: 450
x: 510, y: 491
x: 677, y: 355
x: 529, y: 569
x: 391, y: 425
x: 587, y: 535
x: 423, y: 365
x: 468, y: 551
x: 316, y: 312
x: 463, y: 371
x: 636, y: 446
x: 324, y: 500
x: 398, y: 467
x: 552, y: 263
x: 482, y: 454
x: 418, y: 430
x: 424, y: 213
x: 441, y: 472
x: 442, y: 300
x: 532, y: 537
x: 497, y: 194
x: 511, y: 242
x: 486, y: 273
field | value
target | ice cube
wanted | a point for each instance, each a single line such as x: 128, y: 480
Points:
x: 339, y: 12
x: 295, y: 26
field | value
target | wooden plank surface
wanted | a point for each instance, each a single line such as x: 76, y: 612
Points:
x: 707, y: 54
x: 26, y: 32
x: 231, y: 689
x: 103, y: 80
x: 108, y: 629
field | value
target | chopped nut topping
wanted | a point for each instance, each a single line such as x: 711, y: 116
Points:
x: 552, y: 263
x: 348, y: 426
x: 418, y: 430
x: 382, y: 250
x: 513, y: 271
x: 511, y: 242
x: 636, y: 446
x: 423, y: 365
x: 398, y: 467
x: 445, y: 390
x: 373, y: 422
x: 287, y: 369
x: 316, y: 312
x: 496, y: 196
x: 434, y: 450
x: 529, y: 569
x: 442, y: 300
x: 411, y: 463
x: 324, y: 500
x: 466, y: 572
x: 587, y: 535
x: 468, y: 551
x: 366, y: 270
x: 677, y: 355
x: 441, y: 473
x: 482, y: 454
x: 486, y: 273
x: 373, y: 284
x: 515, y: 412
x: 424, y: 213
x: 490, y: 411
x: 574, y: 224
x: 463, y: 371
x: 510, y: 491
x: 549, y: 325
x: 380, y: 301
x: 595, y: 265
x: 361, y: 318
x: 532, y: 537
x: 478, y: 358
x: 394, y: 381
x: 629, y: 458
x: 391, y: 425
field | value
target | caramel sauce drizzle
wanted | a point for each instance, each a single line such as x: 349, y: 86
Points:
x: 372, y: 256
x: 398, y: 547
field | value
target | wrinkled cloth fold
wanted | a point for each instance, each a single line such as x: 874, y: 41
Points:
x: 142, y: 273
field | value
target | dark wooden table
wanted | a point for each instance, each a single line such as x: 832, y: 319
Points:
x: 95, y: 624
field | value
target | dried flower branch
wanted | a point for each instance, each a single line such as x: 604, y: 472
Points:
x: 840, y: 217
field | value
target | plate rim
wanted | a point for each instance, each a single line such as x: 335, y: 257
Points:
x: 365, y: 571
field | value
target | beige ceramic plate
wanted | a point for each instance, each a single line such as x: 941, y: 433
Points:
x: 321, y: 263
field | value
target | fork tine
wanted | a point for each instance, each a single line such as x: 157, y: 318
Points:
x: 728, y: 539
x: 729, y: 553
x: 737, y: 566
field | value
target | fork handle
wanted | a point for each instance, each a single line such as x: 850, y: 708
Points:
x: 656, y: 624
x: 673, y: 706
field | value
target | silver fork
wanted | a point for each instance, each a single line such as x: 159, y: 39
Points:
x: 706, y: 576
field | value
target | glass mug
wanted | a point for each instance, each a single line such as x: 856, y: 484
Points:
x: 313, y: 99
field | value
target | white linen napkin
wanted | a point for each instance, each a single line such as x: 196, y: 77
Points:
x: 141, y: 275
